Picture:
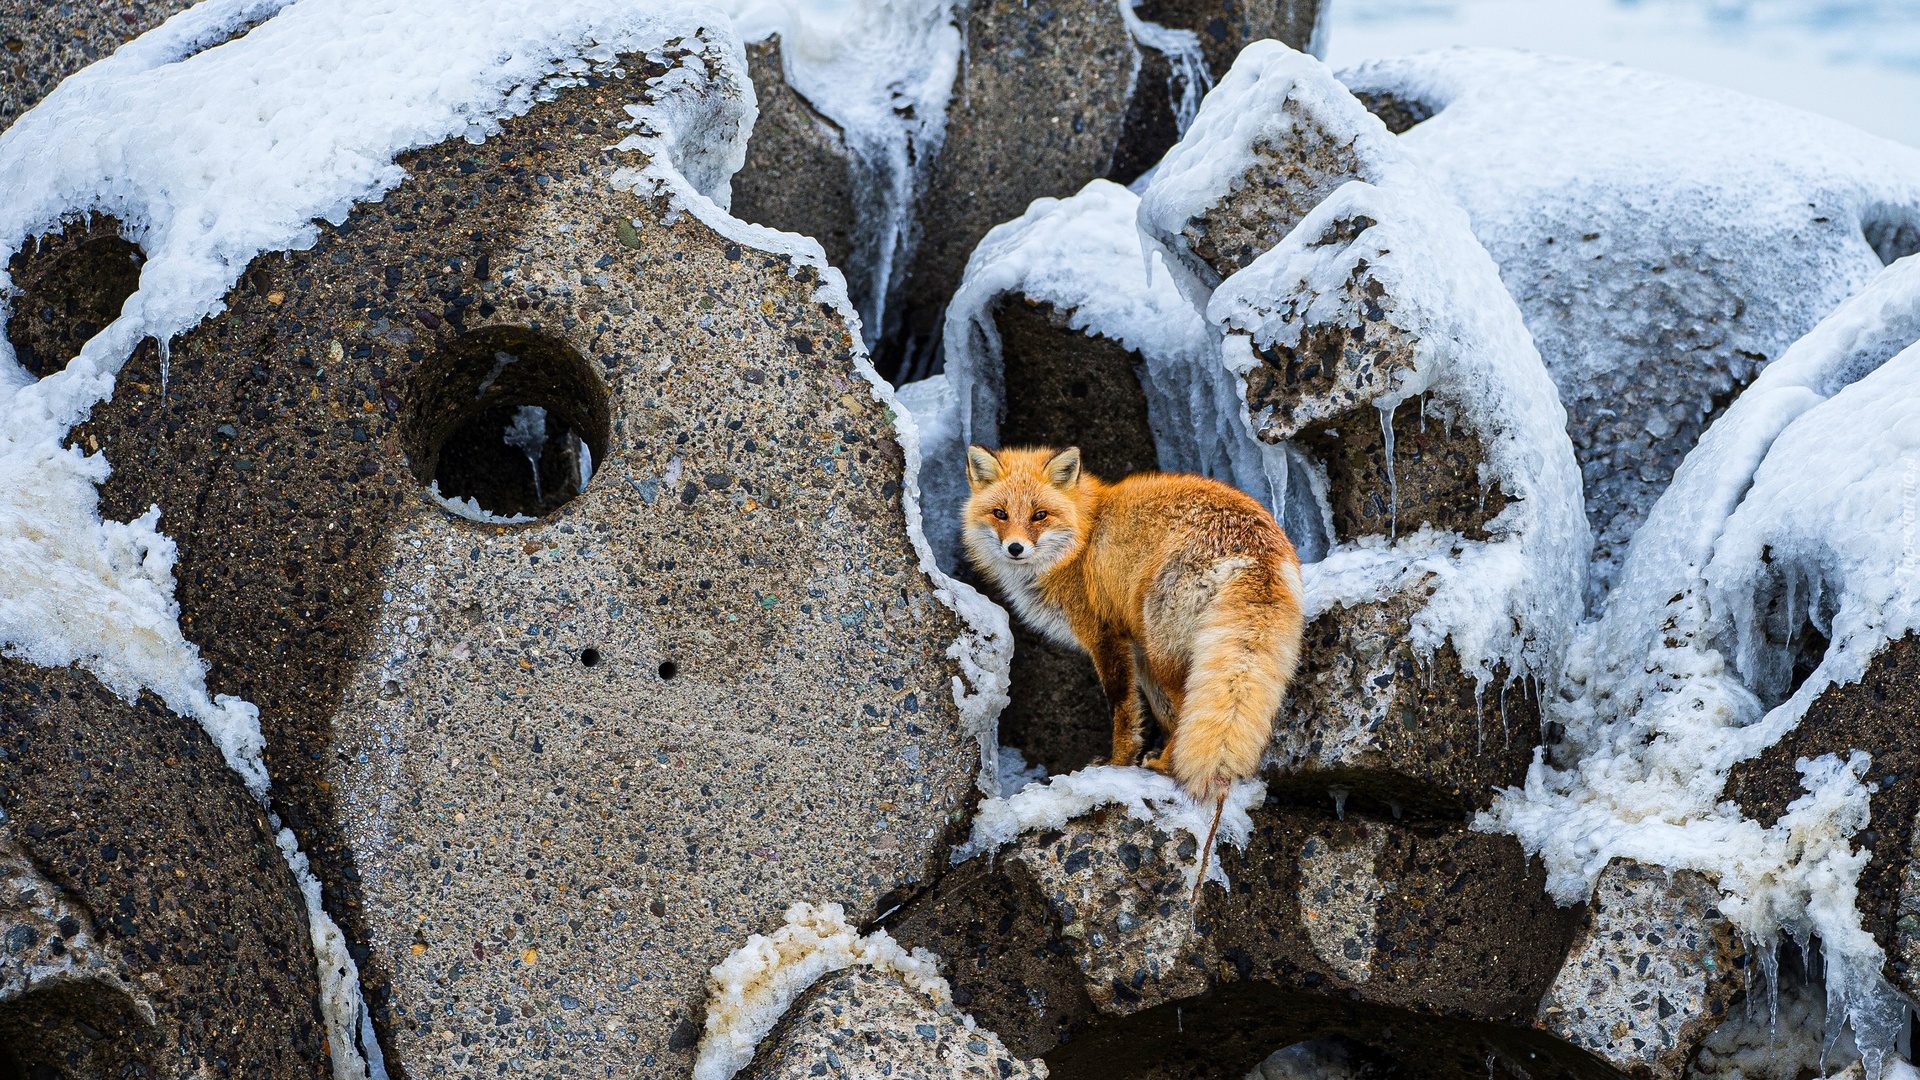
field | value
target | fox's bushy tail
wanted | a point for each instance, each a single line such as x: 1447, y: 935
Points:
x: 1243, y: 658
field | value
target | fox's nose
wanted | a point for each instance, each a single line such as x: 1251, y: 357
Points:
x: 1015, y: 548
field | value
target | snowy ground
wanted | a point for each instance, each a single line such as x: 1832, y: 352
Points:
x: 1857, y: 60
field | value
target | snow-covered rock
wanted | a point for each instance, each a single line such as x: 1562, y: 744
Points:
x: 1375, y: 343
x: 1665, y: 239
x: 1751, y: 624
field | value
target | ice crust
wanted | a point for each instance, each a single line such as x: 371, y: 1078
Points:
x: 350, y: 1037
x: 943, y: 448
x: 749, y: 991
x: 1665, y: 239
x: 1509, y: 603
x: 1144, y: 794
x: 212, y: 151
x: 1815, y: 467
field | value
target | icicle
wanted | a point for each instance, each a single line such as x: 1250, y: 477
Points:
x: 1393, y: 485
x: 1188, y: 79
x: 1339, y: 800
x: 1479, y: 734
x: 1770, y: 971
x: 1505, y: 734
x: 166, y: 365
x: 584, y: 455
x: 528, y: 434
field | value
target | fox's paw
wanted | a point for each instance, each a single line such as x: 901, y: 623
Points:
x: 1161, y: 762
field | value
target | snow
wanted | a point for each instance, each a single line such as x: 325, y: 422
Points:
x: 1508, y: 603
x: 1776, y: 1036
x: 1270, y: 91
x: 469, y: 508
x: 1016, y: 772
x: 1665, y: 239
x: 749, y: 991
x: 528, y: 431
x: 1816, y: 466
x: 1188, y: 78
x: 1144, y: 794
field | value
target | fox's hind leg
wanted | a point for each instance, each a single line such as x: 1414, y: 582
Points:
x: 1113, y: 662
x: 1164, y: 698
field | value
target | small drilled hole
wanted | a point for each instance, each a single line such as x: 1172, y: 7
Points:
x: 590, y: 657
x: 668, y: 669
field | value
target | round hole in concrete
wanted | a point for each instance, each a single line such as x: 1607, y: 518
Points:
x: 71, y: 285
x: 590, y: 656
x: 668, y: 669
x: 505, y: 422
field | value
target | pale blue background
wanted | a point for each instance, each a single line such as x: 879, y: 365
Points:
x: 1858, y: 60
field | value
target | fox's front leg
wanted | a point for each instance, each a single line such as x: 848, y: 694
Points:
x: 1113, y: 661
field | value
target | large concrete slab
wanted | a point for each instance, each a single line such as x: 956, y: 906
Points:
x: 550, y: 772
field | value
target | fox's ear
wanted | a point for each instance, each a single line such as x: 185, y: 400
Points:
x: 982, y: 467
x: 1063, y: 468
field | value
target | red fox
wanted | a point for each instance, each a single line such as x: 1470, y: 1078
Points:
x: 1178, y: 585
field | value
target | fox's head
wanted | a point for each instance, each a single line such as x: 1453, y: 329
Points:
x: 1025, y: 513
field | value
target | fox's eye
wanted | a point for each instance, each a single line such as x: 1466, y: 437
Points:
x: 1039, y: 515
x: 999, y: 513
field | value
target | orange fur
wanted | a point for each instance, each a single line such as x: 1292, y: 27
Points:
x: 1183, y: 590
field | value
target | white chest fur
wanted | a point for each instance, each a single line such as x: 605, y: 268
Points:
x: 1023, y: 592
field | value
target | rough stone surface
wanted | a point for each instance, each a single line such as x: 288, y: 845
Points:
x: 796, y: 175
x: 1224, y: 27
x: 147, y: 919
x: 1652, y: 972
x: 1289, y: 177
x: 1423, y: 915
x: 63, y: 1005
x: 1073, y: 389
x: 1066, y: 388
x: 1878, y: 714
x: 549, y: 774
x: 1118, y: 888
x: 44, y: 41
x: 1037, y: 109
x: 866, y: 1025
x: 1366, y: 716
x: 1092, y: 925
